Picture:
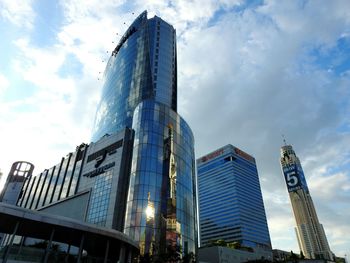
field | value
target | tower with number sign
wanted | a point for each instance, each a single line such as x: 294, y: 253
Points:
x: 310, y: 233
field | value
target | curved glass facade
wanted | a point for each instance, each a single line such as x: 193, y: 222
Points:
x: 142, y: 66
x: 161, y: 202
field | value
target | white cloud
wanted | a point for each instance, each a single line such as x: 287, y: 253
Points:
x: 18, y: 12
x: 4, y: 83
x: 245, y: 78
x: 248, y: 79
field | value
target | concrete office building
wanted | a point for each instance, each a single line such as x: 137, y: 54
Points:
x: 310, y: 233
x: 230, y: 201
x: 137, y: 176
x: 220, y: 254
x: 86, y: 187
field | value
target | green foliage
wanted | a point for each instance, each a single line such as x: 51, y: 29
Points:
x: 234, y: 245
x: 219, y: 242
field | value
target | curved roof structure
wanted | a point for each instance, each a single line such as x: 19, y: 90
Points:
x: 41, y: 225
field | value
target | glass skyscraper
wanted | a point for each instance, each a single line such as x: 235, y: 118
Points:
x: 142, y: 66
x: 231, y: 207
x: 311, y: 237
x: 137, y: 175
x: 140, y: 92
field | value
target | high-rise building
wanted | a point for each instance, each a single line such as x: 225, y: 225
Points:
x: 310, y: 233
x: 140, y: 92
x: 230, y: 200
x: 137, y: 176
x: 142, y: 66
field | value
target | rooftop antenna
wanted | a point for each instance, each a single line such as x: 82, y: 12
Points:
x: 284, y: 140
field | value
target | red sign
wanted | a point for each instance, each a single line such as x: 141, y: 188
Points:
x: 244, y: 155
x: 212, y: 155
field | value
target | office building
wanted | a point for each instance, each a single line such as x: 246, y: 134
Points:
x: 142, y: 66
x: 137, y: 176
x: 86, y: 188
x: 87, y: 185
x: 310, y: 233
x: 231, y: 207
x: 140, y: 92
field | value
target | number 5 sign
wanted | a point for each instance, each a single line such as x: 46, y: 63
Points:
x: 292, y: 178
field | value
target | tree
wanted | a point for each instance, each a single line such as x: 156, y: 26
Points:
x: 293, y: 257
x: 234, y: 245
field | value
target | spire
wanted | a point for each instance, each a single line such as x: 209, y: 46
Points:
x: 284, y: 140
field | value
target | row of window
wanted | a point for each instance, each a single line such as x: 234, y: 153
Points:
x: 54, y: 184
x: 171, y: 139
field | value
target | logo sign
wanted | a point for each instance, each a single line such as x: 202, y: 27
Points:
x: 100, y: 159
x: 99, y: 170
x: 212, y: 155
x: 244, y: 155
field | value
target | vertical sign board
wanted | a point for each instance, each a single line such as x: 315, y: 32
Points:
x: 302, y: 178
x: 292, y: 178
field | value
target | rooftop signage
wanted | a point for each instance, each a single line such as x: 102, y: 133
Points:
x: 244, y: 155
x: 212, y: 155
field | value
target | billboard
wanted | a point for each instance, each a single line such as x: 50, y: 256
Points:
x: 294, y: 176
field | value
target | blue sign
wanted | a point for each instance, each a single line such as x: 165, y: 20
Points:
x: 294, y: 176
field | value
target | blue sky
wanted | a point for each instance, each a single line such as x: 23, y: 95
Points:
x: 248, y: 71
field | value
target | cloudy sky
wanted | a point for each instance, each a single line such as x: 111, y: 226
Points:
x: 248, y: 71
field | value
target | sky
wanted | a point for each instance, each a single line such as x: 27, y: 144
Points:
x: 248, y: 72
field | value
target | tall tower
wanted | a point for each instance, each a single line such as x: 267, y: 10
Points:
x: 137, y: 176
x: 140, y: 92
x: 310, y: 233
x: 230, y: 200
x: 142, y: 66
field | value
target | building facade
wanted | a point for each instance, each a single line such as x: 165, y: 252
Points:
x: 140, y: 92
x: 87, y: 185
x: 142, y: 66
x: 137, y: 175
x: 162, y: 177
x: 310, y: 233
x: 226, y: 254
x: 17, y: 176
x: 230, y: 200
